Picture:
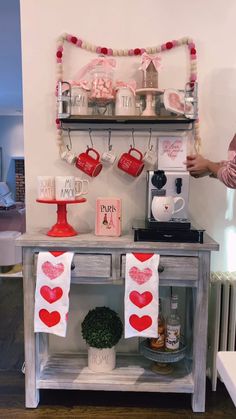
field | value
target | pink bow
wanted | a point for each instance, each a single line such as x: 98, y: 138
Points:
x: 148, y: 59
x: 80, y: 83
x: 131, y: 85
x: 107, y: 63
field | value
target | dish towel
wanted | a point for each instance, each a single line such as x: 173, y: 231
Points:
x: 52, y: 292
x: 141, y: 294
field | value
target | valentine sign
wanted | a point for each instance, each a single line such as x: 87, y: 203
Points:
x: 52, y: 292
x: 172, y: 152
x: 141, y: 294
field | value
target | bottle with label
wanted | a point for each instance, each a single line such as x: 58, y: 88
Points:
x: 172, y: 340
x: 159, y: 342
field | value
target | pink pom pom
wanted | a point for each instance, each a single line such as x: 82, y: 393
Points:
x: 98, y: 50
x: 163, y: 47
x: 110, y: 51
x: 175, y: 43
x: 143, y: 50
x: 193, y: 57
x: 59, y: 60
x: 193, y: 77
x: 191, y: 45
x: 68, y: 38
x: 131, y: 52
x: 79, y: 42
x: 60, y: 49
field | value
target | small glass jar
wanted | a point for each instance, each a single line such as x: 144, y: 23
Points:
x: 150, y: 77
x: 102, y: 83
x: 79, y: 100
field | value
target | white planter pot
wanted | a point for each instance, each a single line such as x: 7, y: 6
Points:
x: 101, y: 360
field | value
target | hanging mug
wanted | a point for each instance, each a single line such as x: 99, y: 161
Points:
x: 131, y: 164
x: 89, y: 164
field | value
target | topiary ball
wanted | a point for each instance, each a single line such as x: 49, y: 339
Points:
x: 102, y: 328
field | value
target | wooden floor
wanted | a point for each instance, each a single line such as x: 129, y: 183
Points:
x: 62, y: 404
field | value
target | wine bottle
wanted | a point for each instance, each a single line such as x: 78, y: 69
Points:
x: 159, y: 342
x: 173, y: 326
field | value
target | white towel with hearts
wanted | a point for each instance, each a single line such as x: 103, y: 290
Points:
x: 52, y: 292
x: 141, y: 294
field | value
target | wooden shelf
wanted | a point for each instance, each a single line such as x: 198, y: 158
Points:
x: 132, y: 373
x: 142, y: 123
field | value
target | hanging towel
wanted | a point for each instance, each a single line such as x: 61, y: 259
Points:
x: 52, y: 292
x: 141, y: 294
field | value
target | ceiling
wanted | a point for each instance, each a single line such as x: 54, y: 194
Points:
x: 10, y: 58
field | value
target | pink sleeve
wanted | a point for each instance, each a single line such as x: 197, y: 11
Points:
x: 227, y: 173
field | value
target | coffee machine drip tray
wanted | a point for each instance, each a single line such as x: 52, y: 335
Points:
x: 146, y: 231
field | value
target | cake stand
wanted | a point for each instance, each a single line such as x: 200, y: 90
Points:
x: 149, y: 93
x: 163, y: 360
x: 62, y: 228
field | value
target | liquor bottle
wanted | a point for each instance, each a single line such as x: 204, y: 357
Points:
x: 172, y: 340
x: 159, y: 342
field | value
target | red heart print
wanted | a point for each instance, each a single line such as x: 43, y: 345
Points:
x: 51, y: 294
x: 51, y: 270
x: 57, y: 253
x: 140, y: 323
x: 50, y: 319
x: 140, y: 276
x: 140, y: 300
x: 142, y: 257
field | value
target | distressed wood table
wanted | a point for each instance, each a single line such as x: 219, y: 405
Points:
x: 101, y: 260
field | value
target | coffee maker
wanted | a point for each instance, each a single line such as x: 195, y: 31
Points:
x: 167, y: 183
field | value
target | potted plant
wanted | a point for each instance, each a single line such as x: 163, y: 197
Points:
x: 102, y: 330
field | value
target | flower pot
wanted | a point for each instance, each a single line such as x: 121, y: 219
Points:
x: 101, y: 360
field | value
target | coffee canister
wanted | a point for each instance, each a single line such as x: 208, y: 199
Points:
x: 125, y: 102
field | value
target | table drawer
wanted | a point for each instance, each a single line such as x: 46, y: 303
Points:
x: 91, y: 265
x: 173, y: 268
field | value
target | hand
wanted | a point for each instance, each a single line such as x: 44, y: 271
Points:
x: 197, y: 165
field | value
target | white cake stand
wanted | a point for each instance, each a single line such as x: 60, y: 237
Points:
x: 149, y: 93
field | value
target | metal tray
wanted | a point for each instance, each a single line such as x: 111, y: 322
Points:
x: 162, y: 356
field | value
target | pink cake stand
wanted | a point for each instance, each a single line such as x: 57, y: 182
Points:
x: 149, y: 93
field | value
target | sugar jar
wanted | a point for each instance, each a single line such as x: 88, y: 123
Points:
x: 79, y: 99
x: 125, y: 101
x: 102, y: 80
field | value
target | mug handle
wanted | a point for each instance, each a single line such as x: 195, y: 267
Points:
x: 85, y: 181
x: 137, y: 151
x: 176, y: 199
x: 95, y: 152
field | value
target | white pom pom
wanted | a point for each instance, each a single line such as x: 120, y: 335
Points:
x: 149, y: 50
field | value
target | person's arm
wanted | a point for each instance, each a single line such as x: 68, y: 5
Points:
x: 199, y: 166
x: 227, y: 173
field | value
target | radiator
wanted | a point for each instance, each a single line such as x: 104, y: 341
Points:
x: 222, y: 319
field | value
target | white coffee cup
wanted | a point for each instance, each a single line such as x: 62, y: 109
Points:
x: 69, y: 188
x: 108, y: 157
x: 164, y: 207
x: 46, y: 188
x: 150, y: 158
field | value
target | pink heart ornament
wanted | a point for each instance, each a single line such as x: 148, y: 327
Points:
x: 52, y: 271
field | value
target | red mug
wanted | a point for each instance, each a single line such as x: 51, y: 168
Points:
x: 130, y: 164
x: 88, y: 164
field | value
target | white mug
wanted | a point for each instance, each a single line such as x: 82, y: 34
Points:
x: 150, y: 158
x: 69, y: 188
x: 108, y: 157
x: 46, y: 188
x: 164, y: 207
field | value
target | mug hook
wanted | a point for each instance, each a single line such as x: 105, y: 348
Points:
x: 109, y: 140
x: 133, y: 139
x: 149, y: 140
x: 90, y: 136
x: 69, y: 147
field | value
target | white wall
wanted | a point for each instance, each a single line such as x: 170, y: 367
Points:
x: 128, y: 24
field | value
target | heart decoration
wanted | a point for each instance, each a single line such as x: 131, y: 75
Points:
x: 52, y: 271
x: 140, y: 276
x: 57, y: 253
x: 50, y: 319
x: 51, y: 295
x: 140, y: 323
x: 140, y: 300
x: 142, y: 257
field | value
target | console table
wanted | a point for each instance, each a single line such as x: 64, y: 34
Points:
x: 101, y: 260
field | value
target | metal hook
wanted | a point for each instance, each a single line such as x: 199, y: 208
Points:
x: 90, y: 136
x: 149, y: 140
x: 69, y: 147
x: 109, y: 140
x: 133, y: 138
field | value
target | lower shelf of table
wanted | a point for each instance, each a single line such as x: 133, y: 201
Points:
x: 132, y: 373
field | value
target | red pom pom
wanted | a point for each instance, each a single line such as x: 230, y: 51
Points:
x: 193, y: 51
x: 104, y: 50
x: 59, y: 54
x: 137, y: 51
x: 74, y: 39
x: 169, y: 45
x: 57, y: 121
x: 192, y: 84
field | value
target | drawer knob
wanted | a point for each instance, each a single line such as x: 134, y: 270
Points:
x: 72, y: 266
x: 161, y: 268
